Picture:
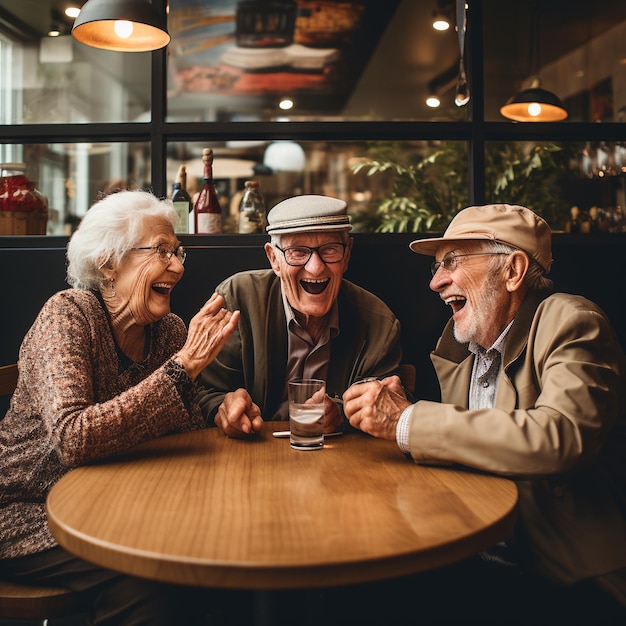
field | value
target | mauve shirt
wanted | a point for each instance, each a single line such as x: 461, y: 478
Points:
x: 306, y: 359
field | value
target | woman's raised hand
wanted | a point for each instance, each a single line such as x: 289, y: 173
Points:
x: 209, y: 330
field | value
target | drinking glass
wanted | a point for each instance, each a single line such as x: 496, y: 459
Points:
x: 306, y: 413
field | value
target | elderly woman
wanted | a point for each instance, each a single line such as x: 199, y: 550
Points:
x: 104, y: 367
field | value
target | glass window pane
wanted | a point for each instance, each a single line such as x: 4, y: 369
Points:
x: 389, y: 186
x: 556, y: 178
x: 359, y: 60
x: 49, y: 80
x: 71, y: 178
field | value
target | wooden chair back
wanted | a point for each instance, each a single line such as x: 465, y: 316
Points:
x: 8, y: 379
x: 34, y: 602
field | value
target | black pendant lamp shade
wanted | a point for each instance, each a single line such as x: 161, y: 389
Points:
x: 534, y: 105
x: 98, y: 25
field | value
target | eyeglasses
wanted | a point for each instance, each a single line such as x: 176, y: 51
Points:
x: 165, y: 253
x: 450, y: 260
x: 300, y: 255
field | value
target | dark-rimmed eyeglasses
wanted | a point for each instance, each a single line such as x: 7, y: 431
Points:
x: 165, y: 252
x: 300, y: 255
x: 450, y: 260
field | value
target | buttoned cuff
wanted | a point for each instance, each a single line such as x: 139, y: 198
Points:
x: 402, y: 429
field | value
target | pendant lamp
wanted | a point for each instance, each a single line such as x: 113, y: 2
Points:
x: 121, y: 25
x: 534, y: 104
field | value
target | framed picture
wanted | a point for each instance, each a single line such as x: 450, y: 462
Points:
x: 255, y: 50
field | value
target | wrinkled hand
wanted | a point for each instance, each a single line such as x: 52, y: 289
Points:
x: 238, y: 416
x: 209, y: 330
x: 332, y: 415
x: 375, y: 407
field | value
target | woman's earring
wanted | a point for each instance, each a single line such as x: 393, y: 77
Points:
x: 112, y: 286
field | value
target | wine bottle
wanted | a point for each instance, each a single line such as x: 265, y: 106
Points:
x: 251, y: 209
x: 181, y: 200
x: 207, y: 210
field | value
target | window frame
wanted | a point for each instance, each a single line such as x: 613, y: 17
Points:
x: 158, y: 132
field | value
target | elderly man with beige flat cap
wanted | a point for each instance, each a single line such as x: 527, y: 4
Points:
x: 299, y: 319
x: 532, y: 388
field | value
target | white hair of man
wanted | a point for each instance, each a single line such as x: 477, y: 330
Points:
x: 535, y: 278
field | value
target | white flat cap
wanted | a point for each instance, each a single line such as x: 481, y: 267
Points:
x: 302, y: 214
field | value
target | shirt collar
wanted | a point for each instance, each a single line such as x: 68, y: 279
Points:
x: 498, y: 344
x: 332, y: 318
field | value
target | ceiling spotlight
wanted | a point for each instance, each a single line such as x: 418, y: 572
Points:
x: 433, y: 101
x: 286, y: 104
x: 54, y: 30
x: 121, y: 25
x: 72, y: 12
x: 440, y: 21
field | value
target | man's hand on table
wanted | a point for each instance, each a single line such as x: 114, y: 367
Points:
x: 238, y: 416
x: 375, y: 407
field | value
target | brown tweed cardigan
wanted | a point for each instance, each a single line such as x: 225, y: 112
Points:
x: 80, y: 399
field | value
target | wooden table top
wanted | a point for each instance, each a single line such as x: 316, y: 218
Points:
x: 202, y: 509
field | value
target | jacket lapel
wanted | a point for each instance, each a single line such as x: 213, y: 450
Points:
x: 453, y: 361
x: 276, y: 349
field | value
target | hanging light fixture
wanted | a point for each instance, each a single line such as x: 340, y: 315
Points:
x: 534, y: 104
x: 121, y: 25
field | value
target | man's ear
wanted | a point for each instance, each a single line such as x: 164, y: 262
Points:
x: 516, y: 269
x: 272, y: 258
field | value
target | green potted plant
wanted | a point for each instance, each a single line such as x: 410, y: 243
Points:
x: 424, y: 192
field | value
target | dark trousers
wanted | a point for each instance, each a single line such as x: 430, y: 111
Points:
x: 115, y: 599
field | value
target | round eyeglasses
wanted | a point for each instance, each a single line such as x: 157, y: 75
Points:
x: 450, y: 260
x: 165, y: 252
x: 300, y: 255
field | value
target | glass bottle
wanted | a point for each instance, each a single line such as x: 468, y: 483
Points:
x: 181, y: 200
x: 573, y: 224
x: 252, y: 209
x: 207, y: 211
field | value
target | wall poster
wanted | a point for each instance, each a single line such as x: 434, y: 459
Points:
x: 314, y: 50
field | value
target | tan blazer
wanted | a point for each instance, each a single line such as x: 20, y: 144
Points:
x: 558, y: 429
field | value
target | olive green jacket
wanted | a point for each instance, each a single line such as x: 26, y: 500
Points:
x: 255, y: 356
x: 558, y: 429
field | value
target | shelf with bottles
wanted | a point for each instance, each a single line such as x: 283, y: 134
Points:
x: 596, y: 220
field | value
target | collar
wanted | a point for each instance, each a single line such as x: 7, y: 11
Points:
x: 332, y: 317
x: 450, y: 349
x: 498, y: 344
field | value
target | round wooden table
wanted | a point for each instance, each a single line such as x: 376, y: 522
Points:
x: 205, y: 510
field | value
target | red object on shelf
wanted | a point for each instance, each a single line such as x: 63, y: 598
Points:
x: 23, y: 209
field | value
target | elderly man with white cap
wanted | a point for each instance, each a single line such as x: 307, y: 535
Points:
x: 532, y: 387
x: 299, y: 319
